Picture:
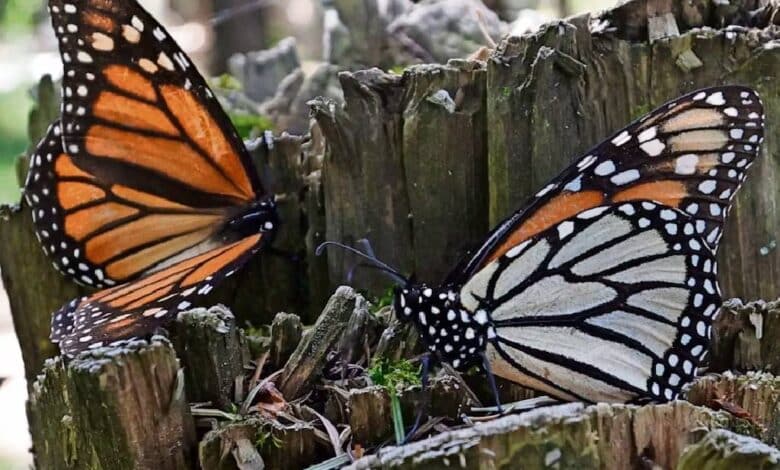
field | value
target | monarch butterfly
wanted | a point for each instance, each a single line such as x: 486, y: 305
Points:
x: 604, y: 286
x: 144, y: 188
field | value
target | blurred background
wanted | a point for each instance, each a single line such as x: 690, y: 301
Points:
x: 220, y: 36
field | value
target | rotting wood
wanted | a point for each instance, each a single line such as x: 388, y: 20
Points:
x: 746, y: 337
x: 112, y: 409
x: 370, y: 416
x: 566, y: 436
x: 362, y: 331
x: 213, y: 351
x: 258, y: 443
x: 724, y: 450
x: 306, y: 363
x: 398, y: 340
x: 757, y: 394
x: 405, y: 167
x: 286, y: 332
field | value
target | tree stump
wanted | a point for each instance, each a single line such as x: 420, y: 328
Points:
x: 113, y: 408
x: 214, y: 352
x: 724, y: 450
x: 563, y: 436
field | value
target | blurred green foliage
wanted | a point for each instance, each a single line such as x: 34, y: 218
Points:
x: 250, y: 125
x: 13, y: 140
x: 227, y: 82
x: 18, y: 16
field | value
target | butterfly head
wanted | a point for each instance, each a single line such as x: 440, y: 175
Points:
x: 449, y: 330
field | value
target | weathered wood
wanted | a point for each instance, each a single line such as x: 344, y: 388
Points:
x: 725, y: 450
x: 405, y: 167
x: 361, y: 333
x: 261, y: 71
x: 398, y: 341
x: 370, y: 416
x: 564, y: 436
x: 258, y: 443
x: 314, y: 206
x: 356, y: 32
x: 286, y: 332
x: 746, y: 337
x: 213, y: 352
x: 554, y: 94
x: 305, y: 364
x: 113, y: 408
x: 758, y: 394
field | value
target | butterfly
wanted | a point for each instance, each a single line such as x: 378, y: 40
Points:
x: 603, y: 287
x: 144, y: 188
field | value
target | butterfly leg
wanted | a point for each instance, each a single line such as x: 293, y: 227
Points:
x: 491, y: 380
x: 424, y: 373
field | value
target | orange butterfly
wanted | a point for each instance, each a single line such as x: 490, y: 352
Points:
x: 144, y: 186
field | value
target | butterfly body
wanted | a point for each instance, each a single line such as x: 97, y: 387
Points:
x: 603, y: 287
x: 258, y: 217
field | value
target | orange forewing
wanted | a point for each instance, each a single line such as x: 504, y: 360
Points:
x: 555, y: 210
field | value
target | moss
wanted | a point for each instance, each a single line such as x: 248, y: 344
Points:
x: 397, y: 69
x: 394, y: 376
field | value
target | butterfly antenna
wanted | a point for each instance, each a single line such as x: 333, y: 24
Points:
x: 375, y: 263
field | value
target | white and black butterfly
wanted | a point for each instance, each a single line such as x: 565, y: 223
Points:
x: 603, y: 288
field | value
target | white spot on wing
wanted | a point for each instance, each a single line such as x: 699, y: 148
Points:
x: 716, y: 99
x: 605, y: 168
x: 653, y: 147
x: 686, y: 164
x: 621, y: 138
x: 625, y: 177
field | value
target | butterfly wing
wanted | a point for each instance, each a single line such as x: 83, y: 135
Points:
x: 691, y: 154
x: 131, y: 97
x: 138, y: 308
x: 149, y: 167
x: 614, y: 304
x: 101, y: 233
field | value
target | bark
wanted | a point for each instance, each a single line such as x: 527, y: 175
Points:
x: 564, y: 436
x: 113, y: 408
x: 216, y: 352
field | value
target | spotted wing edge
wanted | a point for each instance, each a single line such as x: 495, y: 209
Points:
x: 153, y: 40
x: 80, y: 324
x: 586, y: 162
x: 668, y: 374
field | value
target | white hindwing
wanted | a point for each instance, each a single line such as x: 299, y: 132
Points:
x: 612, y: 305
